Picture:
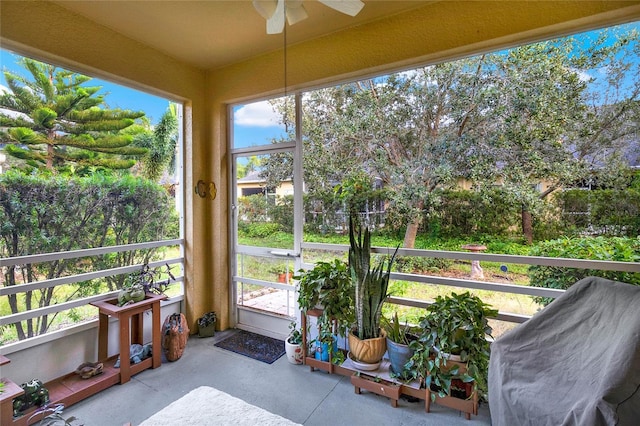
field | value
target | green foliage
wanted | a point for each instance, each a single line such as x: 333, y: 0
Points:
x: 295, y: 336
x: 418, y: 265
x: 619, y: 249
x: 253, y: 208
x: 456, y: 324
x: 605, y: 211
x: 463, y: 212
x: 282, y: 212
x: 43, y: 213
x: 525, y: 118
x: 161, y: 145
x: 397, y: 332
x: 327, y: 284
x: 258, y: 229
x: 208, y: 319
x: 327, y: 337
x: 357, y: 193
x: 370, y: 283
x: 55, y: 123
x: 52, y: 415
x: 139, y: 283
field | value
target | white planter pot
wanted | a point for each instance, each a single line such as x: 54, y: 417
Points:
x: 293, y: 352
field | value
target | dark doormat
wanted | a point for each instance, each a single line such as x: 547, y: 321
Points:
x: 256, y: 346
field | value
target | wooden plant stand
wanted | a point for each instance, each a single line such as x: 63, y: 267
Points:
x: 378, y: 386
x: 70, y: 388
x: 130, y: 318
x: 388, y: 388
x: 467, y: 406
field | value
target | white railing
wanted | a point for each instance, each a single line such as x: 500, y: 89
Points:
x: 633, y: 267
x: 77, y: 254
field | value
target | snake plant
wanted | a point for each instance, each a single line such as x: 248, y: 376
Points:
x: 370, y: 283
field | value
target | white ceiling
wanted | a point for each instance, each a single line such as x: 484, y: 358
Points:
x: 214, y: 33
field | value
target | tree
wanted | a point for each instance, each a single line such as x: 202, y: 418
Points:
x: 161, y: 145
x: 564, y: 111
x: 406, y: 129
x: 555, y: 111
x: 55, y: 121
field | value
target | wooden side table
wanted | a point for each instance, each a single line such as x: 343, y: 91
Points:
x: 130, y: 318
x: 11, y: 391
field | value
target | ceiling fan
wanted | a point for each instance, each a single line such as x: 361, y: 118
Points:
x: 275, y: 11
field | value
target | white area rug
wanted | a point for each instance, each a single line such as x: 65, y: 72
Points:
x: 209, y: 406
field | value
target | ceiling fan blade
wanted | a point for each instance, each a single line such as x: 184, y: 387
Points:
x: 349, y: 7
x: 295, y: 14
x: 275, y: 23
x: 265, y: 7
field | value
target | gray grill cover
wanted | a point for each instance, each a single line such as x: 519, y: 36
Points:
x: 576, y: 362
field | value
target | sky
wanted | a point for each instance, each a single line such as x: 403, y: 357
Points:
x: 255, y: 124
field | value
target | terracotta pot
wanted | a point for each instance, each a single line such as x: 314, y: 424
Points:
x: 368, y: 350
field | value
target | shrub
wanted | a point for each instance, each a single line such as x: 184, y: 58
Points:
x: 44, y: 213
x: 410, y: 264
x: 602, y: 212
x: 595, y: 248
x: 463, y: 212
x: 259, y: 229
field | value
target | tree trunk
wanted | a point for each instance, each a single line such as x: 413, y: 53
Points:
x: 411, y: 233
x: 527, y: 225
x: 412, y: 228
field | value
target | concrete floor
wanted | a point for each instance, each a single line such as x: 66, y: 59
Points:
x: 291, y: 391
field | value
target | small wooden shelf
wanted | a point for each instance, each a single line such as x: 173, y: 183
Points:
x: 467, y: 406
x: 70, y: 389
x: 378, y: 386
x: 11, y: 391
x: 329, y: 367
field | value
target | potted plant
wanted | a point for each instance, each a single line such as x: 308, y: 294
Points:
x: 283, y: 273
x: 293, y: 344
x: 326, y: 344
x: 138, y: 284
x: 367, y: 341
x: 207, y: 324
x: 327, y: 286
x: 453, y: 343
x: 399, y: 337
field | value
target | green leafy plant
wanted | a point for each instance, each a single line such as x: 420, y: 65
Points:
x: 397, y: 332
x: 295, y: 336
x: 328, y: 284
x: 370, y: 284
x: 327, y: 336
x: 399, y: 337
x: 456, y: 324
x: 594, y: 248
